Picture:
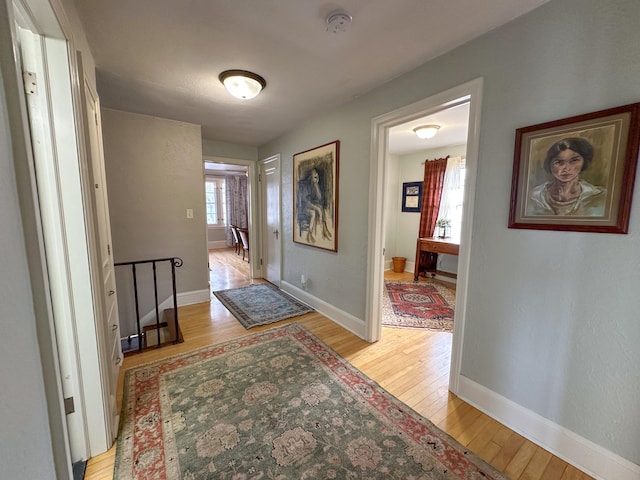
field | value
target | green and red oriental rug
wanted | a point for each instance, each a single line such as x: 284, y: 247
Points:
x: 278, y: 404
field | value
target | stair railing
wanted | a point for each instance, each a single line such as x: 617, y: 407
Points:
x: 175, y: 262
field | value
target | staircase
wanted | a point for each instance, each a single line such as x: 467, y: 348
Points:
x: 164, y: 328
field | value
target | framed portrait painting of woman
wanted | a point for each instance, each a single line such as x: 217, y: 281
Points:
x: 577, y: 173
x: 315, y: 196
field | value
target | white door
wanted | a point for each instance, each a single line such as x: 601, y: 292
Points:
x: 271, y: 226
x: 46, y: 156
x: 88, y: 380
x: 110, y: 323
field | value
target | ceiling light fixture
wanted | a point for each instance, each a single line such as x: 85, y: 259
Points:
x: 426, y: 131
x: 242, y: 84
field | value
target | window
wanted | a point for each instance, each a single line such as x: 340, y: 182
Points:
x: 216, y: 201
x: 452, y: 200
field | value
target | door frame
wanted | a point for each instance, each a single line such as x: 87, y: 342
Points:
x: 252, y: 199
x: 62, y: 85
x: 46, y: 19
x: 103, y: 404
x: 34, y: 242
x: 375, y: 252
x: 58, y: 185
x: 264, y: 215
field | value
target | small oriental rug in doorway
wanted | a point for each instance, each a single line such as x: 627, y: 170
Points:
x: 276, y: 404
x: 260, y: 304
x: 428, y: 305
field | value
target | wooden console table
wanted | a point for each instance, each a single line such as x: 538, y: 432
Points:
x: 427, y: 250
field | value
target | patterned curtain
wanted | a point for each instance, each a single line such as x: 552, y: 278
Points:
x: 431, y: 195
x: 236, y: 191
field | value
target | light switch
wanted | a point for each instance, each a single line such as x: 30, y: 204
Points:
x: 189, y: 212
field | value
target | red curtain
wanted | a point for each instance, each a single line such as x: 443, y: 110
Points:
x: 431, y: 195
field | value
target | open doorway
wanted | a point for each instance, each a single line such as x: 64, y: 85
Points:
x: 419, y: 287
x: 228, y: 210
x: 406, y: 157
x: 379, y: 217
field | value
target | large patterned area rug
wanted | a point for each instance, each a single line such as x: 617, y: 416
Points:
x: 260, y: 304
x: 278, y: 404
x: 427, y: 305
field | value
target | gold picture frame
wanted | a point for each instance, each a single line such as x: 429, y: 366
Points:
x: 577, y: 173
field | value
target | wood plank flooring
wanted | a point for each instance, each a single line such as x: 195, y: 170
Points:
x: 411, y: 364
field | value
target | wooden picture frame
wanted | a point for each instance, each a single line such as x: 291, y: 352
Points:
x: 411, y: 196
x: 577, y: 173
x: 315, y: 196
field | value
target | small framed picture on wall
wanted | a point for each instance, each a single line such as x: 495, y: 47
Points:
x: 411, y: 196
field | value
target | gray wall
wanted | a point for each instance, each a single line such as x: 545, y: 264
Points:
x: 556, y: 328
x: 25, y: 442
x: 214, y: 148
x: 30, y: 407
x: 217, y: 234
x: 154, y: 174
x: 561, y: 339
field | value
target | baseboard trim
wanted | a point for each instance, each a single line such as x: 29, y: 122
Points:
x: 569, y: 446
x: 342, y: 318
x: 217, y: 244
x: 183, y: 298
x: 410, y: 267
x: 195, y: 296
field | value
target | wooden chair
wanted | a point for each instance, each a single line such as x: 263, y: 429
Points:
x: 244, y: 237
x: 236, y: 240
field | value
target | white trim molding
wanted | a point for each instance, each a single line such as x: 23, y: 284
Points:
x: 410, y: 267
x: 342, y: 318
x: 471, y: 91
x: 183, y: 298
x: 195, y: 296
x: 569, y: 446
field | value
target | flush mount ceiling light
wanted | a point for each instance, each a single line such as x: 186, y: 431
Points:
x: 426, y: 131
x: 242, y: 84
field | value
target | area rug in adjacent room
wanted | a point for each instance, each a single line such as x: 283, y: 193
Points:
x: 260, y: 304
x: 278, y: 404
x: 422, y: 304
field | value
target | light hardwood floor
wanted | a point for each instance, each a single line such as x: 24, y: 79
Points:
x: 411, y: 364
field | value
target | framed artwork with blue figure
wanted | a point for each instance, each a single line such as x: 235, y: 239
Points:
x: 576, y: 174
x: 411, y: 196
x: 315, y: 196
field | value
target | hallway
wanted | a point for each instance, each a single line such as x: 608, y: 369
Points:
x: 227, y: 269
x: 413, y: 365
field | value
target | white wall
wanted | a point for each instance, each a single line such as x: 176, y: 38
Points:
x: 553, y: 316
x: 393, y: 205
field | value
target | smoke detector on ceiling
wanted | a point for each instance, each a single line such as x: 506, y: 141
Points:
x: 338, y: 21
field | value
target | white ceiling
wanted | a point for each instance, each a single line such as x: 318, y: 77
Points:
x: 453, y: 122
x: 163, y: 57
x: 214, y: 167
